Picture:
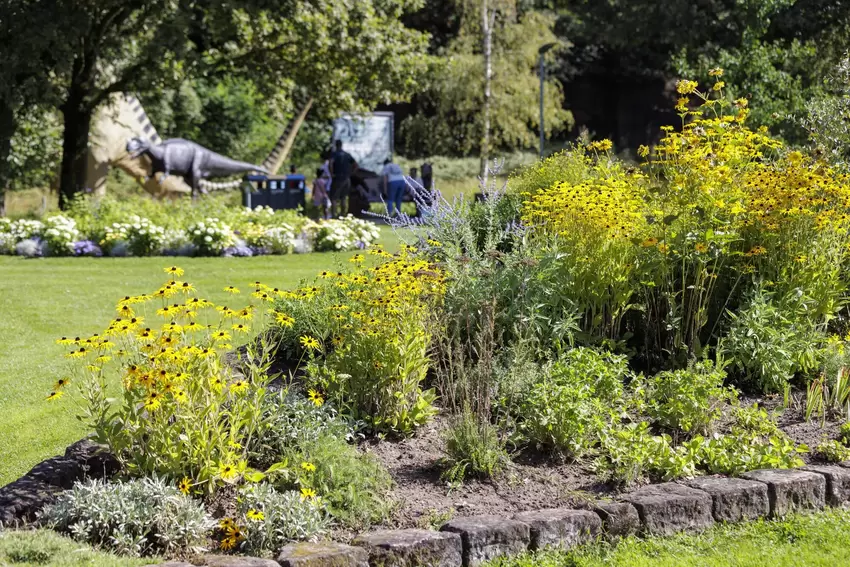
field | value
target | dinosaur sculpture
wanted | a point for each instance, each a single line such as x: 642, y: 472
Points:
x: 122, y: 117
x: 190, y: 160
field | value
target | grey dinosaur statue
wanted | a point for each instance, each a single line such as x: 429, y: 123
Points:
x: 190, y: 160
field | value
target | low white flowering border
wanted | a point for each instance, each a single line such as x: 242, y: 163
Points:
x: 58, y: 235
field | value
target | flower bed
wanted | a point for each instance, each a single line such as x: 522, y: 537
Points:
x: 248, y: 233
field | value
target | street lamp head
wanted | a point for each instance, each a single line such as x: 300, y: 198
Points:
x: 543, y: 49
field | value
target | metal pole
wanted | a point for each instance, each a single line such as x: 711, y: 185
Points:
x: 542, y: 71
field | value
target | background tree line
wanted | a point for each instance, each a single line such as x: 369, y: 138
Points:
x: 230, y: 74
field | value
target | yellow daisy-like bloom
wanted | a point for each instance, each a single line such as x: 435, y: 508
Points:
x: 663, y: 248
x: 103, y: 358
x: 125, y: 311
x: 716, y: 72
x: 240, y: 328
x: 357, y: 259
x: 231, y: 289
x: 221, y: 336
x: 643, y: 151
x: 262, y: 295
x: 217, y: 383
x: 61, y: 383
x: 255, y: 515
x: 686, y: 87
x: 78, y: 353
x: 239, y: 387
x: 246, y: 313
x: 165, y: 311
x: 284, y: 320
x: 309, y: 467
x: 701, y: 247
x: 315, y: 397
x: 192, y: 327
x: 226, y: 524
x: 228, y: 543
x: 227, y: 471
x: 180, y: 396
x: 65, y: 341
x: 185, y: 485
x: 649, y: 242
x: 153, y: 401
x: 54, y: 396
x: 174, y: 271
x: 309, y: 342
x: 186, y: 287
x: 206, y: 353
x: 307, y: 493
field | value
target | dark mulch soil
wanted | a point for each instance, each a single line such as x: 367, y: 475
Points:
x: 534, y: 481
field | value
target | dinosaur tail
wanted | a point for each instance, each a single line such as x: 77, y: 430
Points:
x: 225, y: 166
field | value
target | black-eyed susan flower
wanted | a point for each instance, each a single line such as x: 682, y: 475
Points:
x: 307, y: 493
x: 255, y: 515
x: 239, y: 387
x: 153, y: 401
x: 221, y: 336
x: 307, y: 466
x: 54, y: 395
x: 309, y: 342
x: 315, y: 397
x: 240, y: 328
x: 701, y: 247
x: 232, y: 289
x: 61, y: 383
x: 174, y: 271
x: 185, y: 485
x: 65, y: 341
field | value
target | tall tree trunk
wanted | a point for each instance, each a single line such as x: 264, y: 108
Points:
x: 7, y: 129
x: 488, y: 18
x: 75, y: 140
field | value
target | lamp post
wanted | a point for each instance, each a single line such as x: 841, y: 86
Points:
x: 541, y: 52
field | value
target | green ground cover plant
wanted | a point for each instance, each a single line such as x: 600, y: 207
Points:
x: 47, y: 548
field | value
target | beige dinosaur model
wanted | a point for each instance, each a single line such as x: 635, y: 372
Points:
x: 123, y: 118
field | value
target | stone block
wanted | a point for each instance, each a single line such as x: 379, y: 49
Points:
x: 412, y: 548
x: 619, y: 519
x: 95, y: 459
x: 734, y: 499
x: 667, y: 508
x: 21, y: 500
x: 561, y: 527
x: 790, y: 490
x: 171, y: 564
x: 837, y: 483
x: 323, y: 554
x: 236, y: 561
x: 487, y: 537
x: 57, y: 471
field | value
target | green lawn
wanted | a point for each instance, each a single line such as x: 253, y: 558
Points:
x: 817, y: 540
x: 43, y: 299
x: 46, y: 548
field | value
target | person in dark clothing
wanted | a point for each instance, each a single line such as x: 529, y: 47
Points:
x: 342, y: 166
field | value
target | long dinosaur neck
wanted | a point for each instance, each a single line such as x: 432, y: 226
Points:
x: 156, y: 152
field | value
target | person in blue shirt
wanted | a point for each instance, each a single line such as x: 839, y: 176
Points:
x: 393, y: 179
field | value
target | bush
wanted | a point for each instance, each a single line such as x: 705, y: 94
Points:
x: 313, y: 442
x: 833, y: 451
x: 188, y: 407
x: 473, y: 449
x: 138, y: 517
x: 574, y: 402
x: 267, y: 520
x: 688, y: 400
x: 365, y: 336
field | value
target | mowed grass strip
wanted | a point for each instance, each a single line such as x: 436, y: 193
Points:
x: 43, y: 299
x: 815, y: 540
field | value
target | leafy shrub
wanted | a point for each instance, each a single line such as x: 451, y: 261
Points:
x: 688, y: 400
x: 311, y: 440
x: 210, y: 236
x: 574, y: 402
x: 137, y: 517
x: 365, y: 335
x: 844, y: 433
x: 60, y: 233
x: 140, y: 236
x: 473, y: 449
x: 833, y: 451
x: 268, y: 519
x: 769, y: 341
x: 187, y: 407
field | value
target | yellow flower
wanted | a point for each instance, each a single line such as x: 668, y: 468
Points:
x: 226, y: 524
x: 246, y: 313
x: 180, y: 396
x: 174, y: 271
x: 227, y: 471
x: 54, y: 396
x: 61, y: 383
x: 185, y: 485
x: 229, y: 543
x: 643, y: 151
x: 701, y: 247
x: 77, y: 353
x: 125, y: 311
x: 307, y: 493
x: 309, y: 467
x: 649, y: 242
x: 718, y: 85
x: 283, y: 319
x: 231, y: 289
x: 356, y: 259
x: 315, y: 397
x: 309, y: 342
x: 165, y: 311
x: 66, y: 341
x: 239, y: 386
x: 153, y: 401
x: 686, y: 87
x: 221, y: 336
x: 186, y: 287
x: 240, y: 328
x: 716, y: 72
x: 255, y: 515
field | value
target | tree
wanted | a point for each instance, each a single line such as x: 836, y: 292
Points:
x: 347, y: 55
x: 449, y: 118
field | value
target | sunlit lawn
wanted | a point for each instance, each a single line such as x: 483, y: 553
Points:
x: 43, y: 299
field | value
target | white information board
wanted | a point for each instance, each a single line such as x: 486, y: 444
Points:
x: 367, y: 137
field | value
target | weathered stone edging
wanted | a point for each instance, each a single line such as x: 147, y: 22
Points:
x: 658, y: 509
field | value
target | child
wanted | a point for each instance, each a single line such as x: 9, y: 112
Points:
x: 320, y: 194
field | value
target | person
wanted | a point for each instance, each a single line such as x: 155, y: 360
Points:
x: 320, y: 194
x: 342, y: 165
x: 394, y: 186
x: 427, y: 176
